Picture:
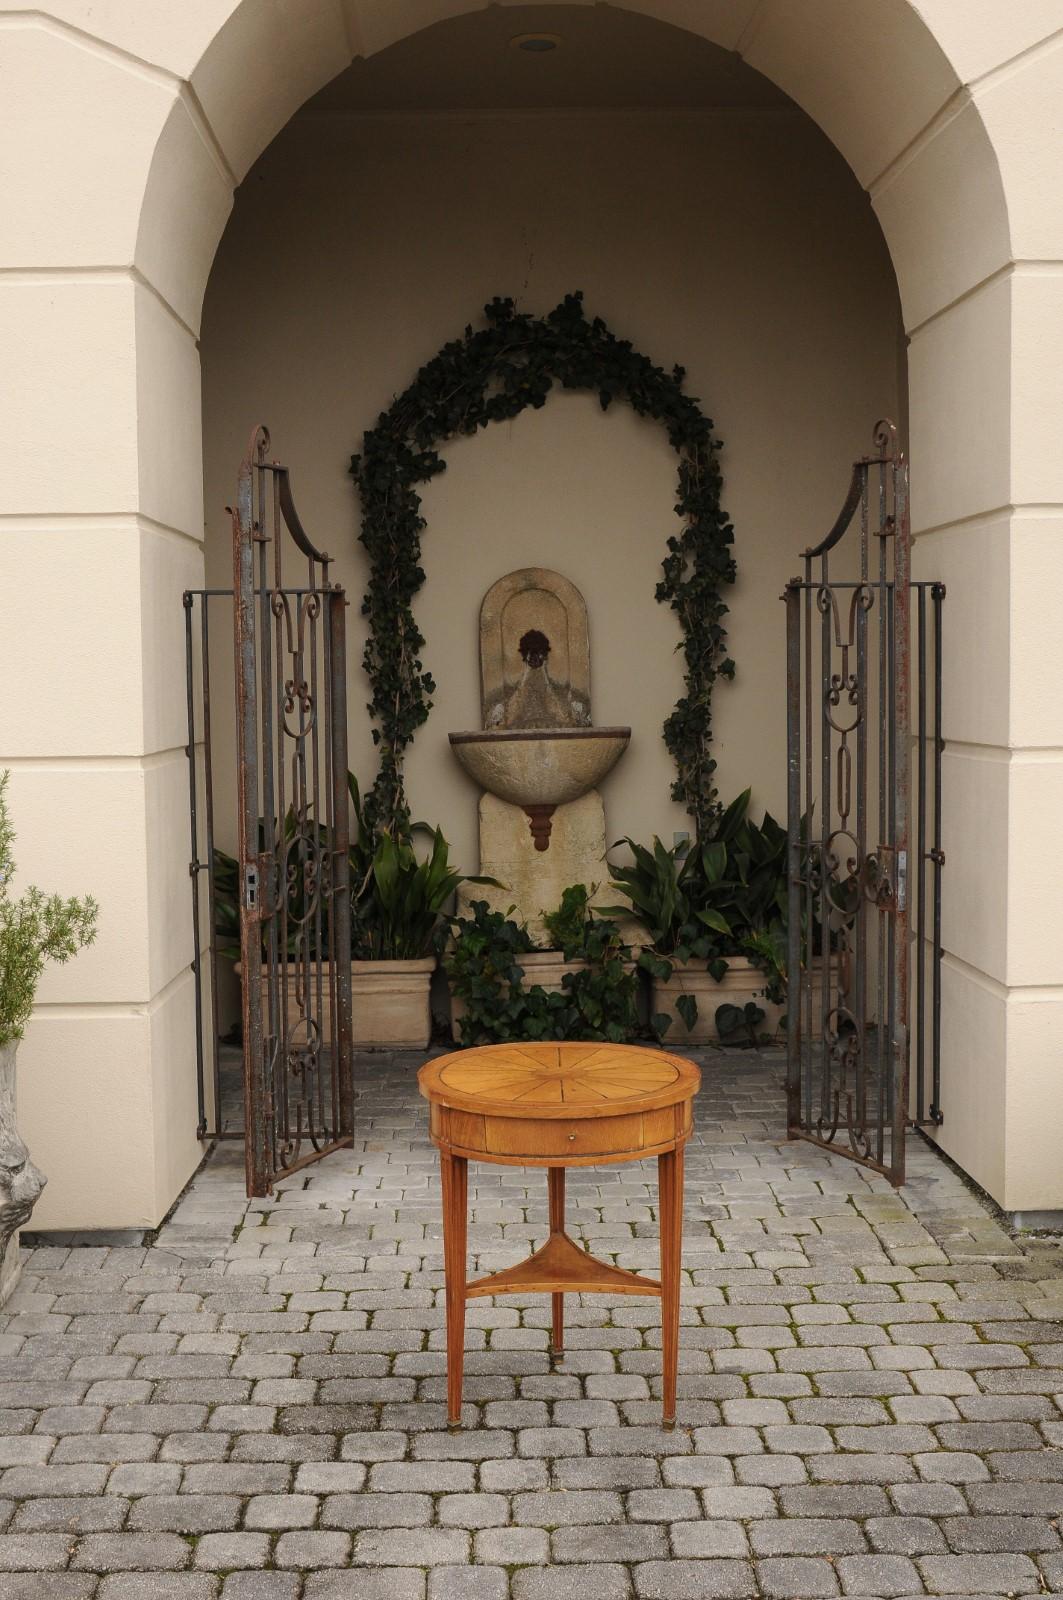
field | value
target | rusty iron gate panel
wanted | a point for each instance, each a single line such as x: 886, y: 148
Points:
x: 864, y: 852
x: 285, y: 895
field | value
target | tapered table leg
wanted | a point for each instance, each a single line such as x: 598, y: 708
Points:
x: 555, y: 1177
x: 454, y: 1171
x: 670, y: 1207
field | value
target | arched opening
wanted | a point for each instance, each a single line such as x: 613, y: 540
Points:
x: 937, y: 118
x: 699, y: 211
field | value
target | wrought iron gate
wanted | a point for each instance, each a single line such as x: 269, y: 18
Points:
x: 287, y: 891
x: 858, y: 865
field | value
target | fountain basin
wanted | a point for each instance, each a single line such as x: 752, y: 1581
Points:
x: 540, y: 766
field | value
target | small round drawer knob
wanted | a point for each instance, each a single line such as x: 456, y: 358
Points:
x: 572, y: 1136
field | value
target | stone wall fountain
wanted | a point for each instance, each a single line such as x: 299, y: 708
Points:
x: 538, y: 757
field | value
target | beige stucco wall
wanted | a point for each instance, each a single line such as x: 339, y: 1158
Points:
x: 947, y: 112
x: 737, y: 243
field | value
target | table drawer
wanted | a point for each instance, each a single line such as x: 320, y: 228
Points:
x: 588, y: 1136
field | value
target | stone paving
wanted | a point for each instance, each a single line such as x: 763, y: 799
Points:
x: 872, y: 1387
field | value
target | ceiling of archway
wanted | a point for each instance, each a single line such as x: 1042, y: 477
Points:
x: 607, y: 57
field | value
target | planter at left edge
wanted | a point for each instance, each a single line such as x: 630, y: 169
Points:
x: 20, y: 1181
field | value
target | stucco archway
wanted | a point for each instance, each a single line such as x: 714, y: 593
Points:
x: 944, y: 113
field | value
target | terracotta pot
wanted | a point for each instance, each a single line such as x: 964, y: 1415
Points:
x: 389, y: 1003
x: 543, y: 968
x: 741, y: 983
x: 20, y: 1181
x: 390, y: 1000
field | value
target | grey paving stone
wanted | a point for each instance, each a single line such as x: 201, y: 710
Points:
x: 567, y: 1506
x: 88, y: 1514
x: 597, y: 1582
x: 271, y: 1586
x: 403, y: 1547
x: 806, y: 1536
x: 33, y: 1552
x: 49, y: 1585
x: 376, y: 1511
x: 971, y: 1574
x: 397, y: 1583
x: 512, y: 1547
x: 158, y: 1586
x: 223, y: 1552
x: 185, y: 1513
x: 883, y: 1576
x: 307, y: 1550
x: 796, y: 1578
x: 625, y: 1542
x: 468, y: 1583
x: 131, y: 1552
x: 715, y: 1537
x: 1000, y: 1533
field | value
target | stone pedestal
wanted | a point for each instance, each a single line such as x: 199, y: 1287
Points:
x: 534, y: 879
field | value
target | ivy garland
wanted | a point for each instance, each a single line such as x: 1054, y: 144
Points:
x: 490, y: 375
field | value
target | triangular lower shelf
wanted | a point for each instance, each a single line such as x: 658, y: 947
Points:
x: 561, y: 1267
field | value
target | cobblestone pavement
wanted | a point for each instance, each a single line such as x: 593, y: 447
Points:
x: 872, y: 1388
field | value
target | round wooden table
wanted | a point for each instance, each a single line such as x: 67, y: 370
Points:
x: 558, y: 1106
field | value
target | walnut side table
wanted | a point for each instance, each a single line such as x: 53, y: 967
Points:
x: 558, y: 1106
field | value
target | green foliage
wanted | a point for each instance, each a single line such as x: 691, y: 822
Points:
x: 739, y: 1025
x: 679, y: 900
x: 34, y: 929
x: 400, y: 916
x: 726, y: 897
x: 567, y: 925
x: 597, y: 1002
x: 490, y: 375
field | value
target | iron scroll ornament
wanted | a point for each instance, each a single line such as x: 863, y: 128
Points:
x: 490, y: 375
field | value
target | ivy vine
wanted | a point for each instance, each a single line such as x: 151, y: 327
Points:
x: 489, y: 375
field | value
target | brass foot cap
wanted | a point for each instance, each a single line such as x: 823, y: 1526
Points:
x: 453, y: 1426
x: 668, y: 1424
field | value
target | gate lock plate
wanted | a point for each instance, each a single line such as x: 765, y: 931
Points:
x: 251, y: 888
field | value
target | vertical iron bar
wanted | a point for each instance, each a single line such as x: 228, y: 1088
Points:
x: 193, y: 867
x: 881, y: 952
x: 256, y: 1152
x: 794, y: 981
x: 341, y: 840
x: 937, y: 594
x: 826, y: 599
x: 891, y: 822
x: 212, y: 902
x: 902, y: 630
x: 860, y: 914
x: 920, y: 857
x: 327, y: 929
x: 319, y: 810
x: 810, y: 897
x: 272, y: 845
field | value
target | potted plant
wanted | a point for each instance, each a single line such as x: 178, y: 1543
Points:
x: 591, y: 993
x: 34, y: 929
x: 716, y: 920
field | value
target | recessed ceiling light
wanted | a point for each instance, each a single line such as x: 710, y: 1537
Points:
x: 536, y: 43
